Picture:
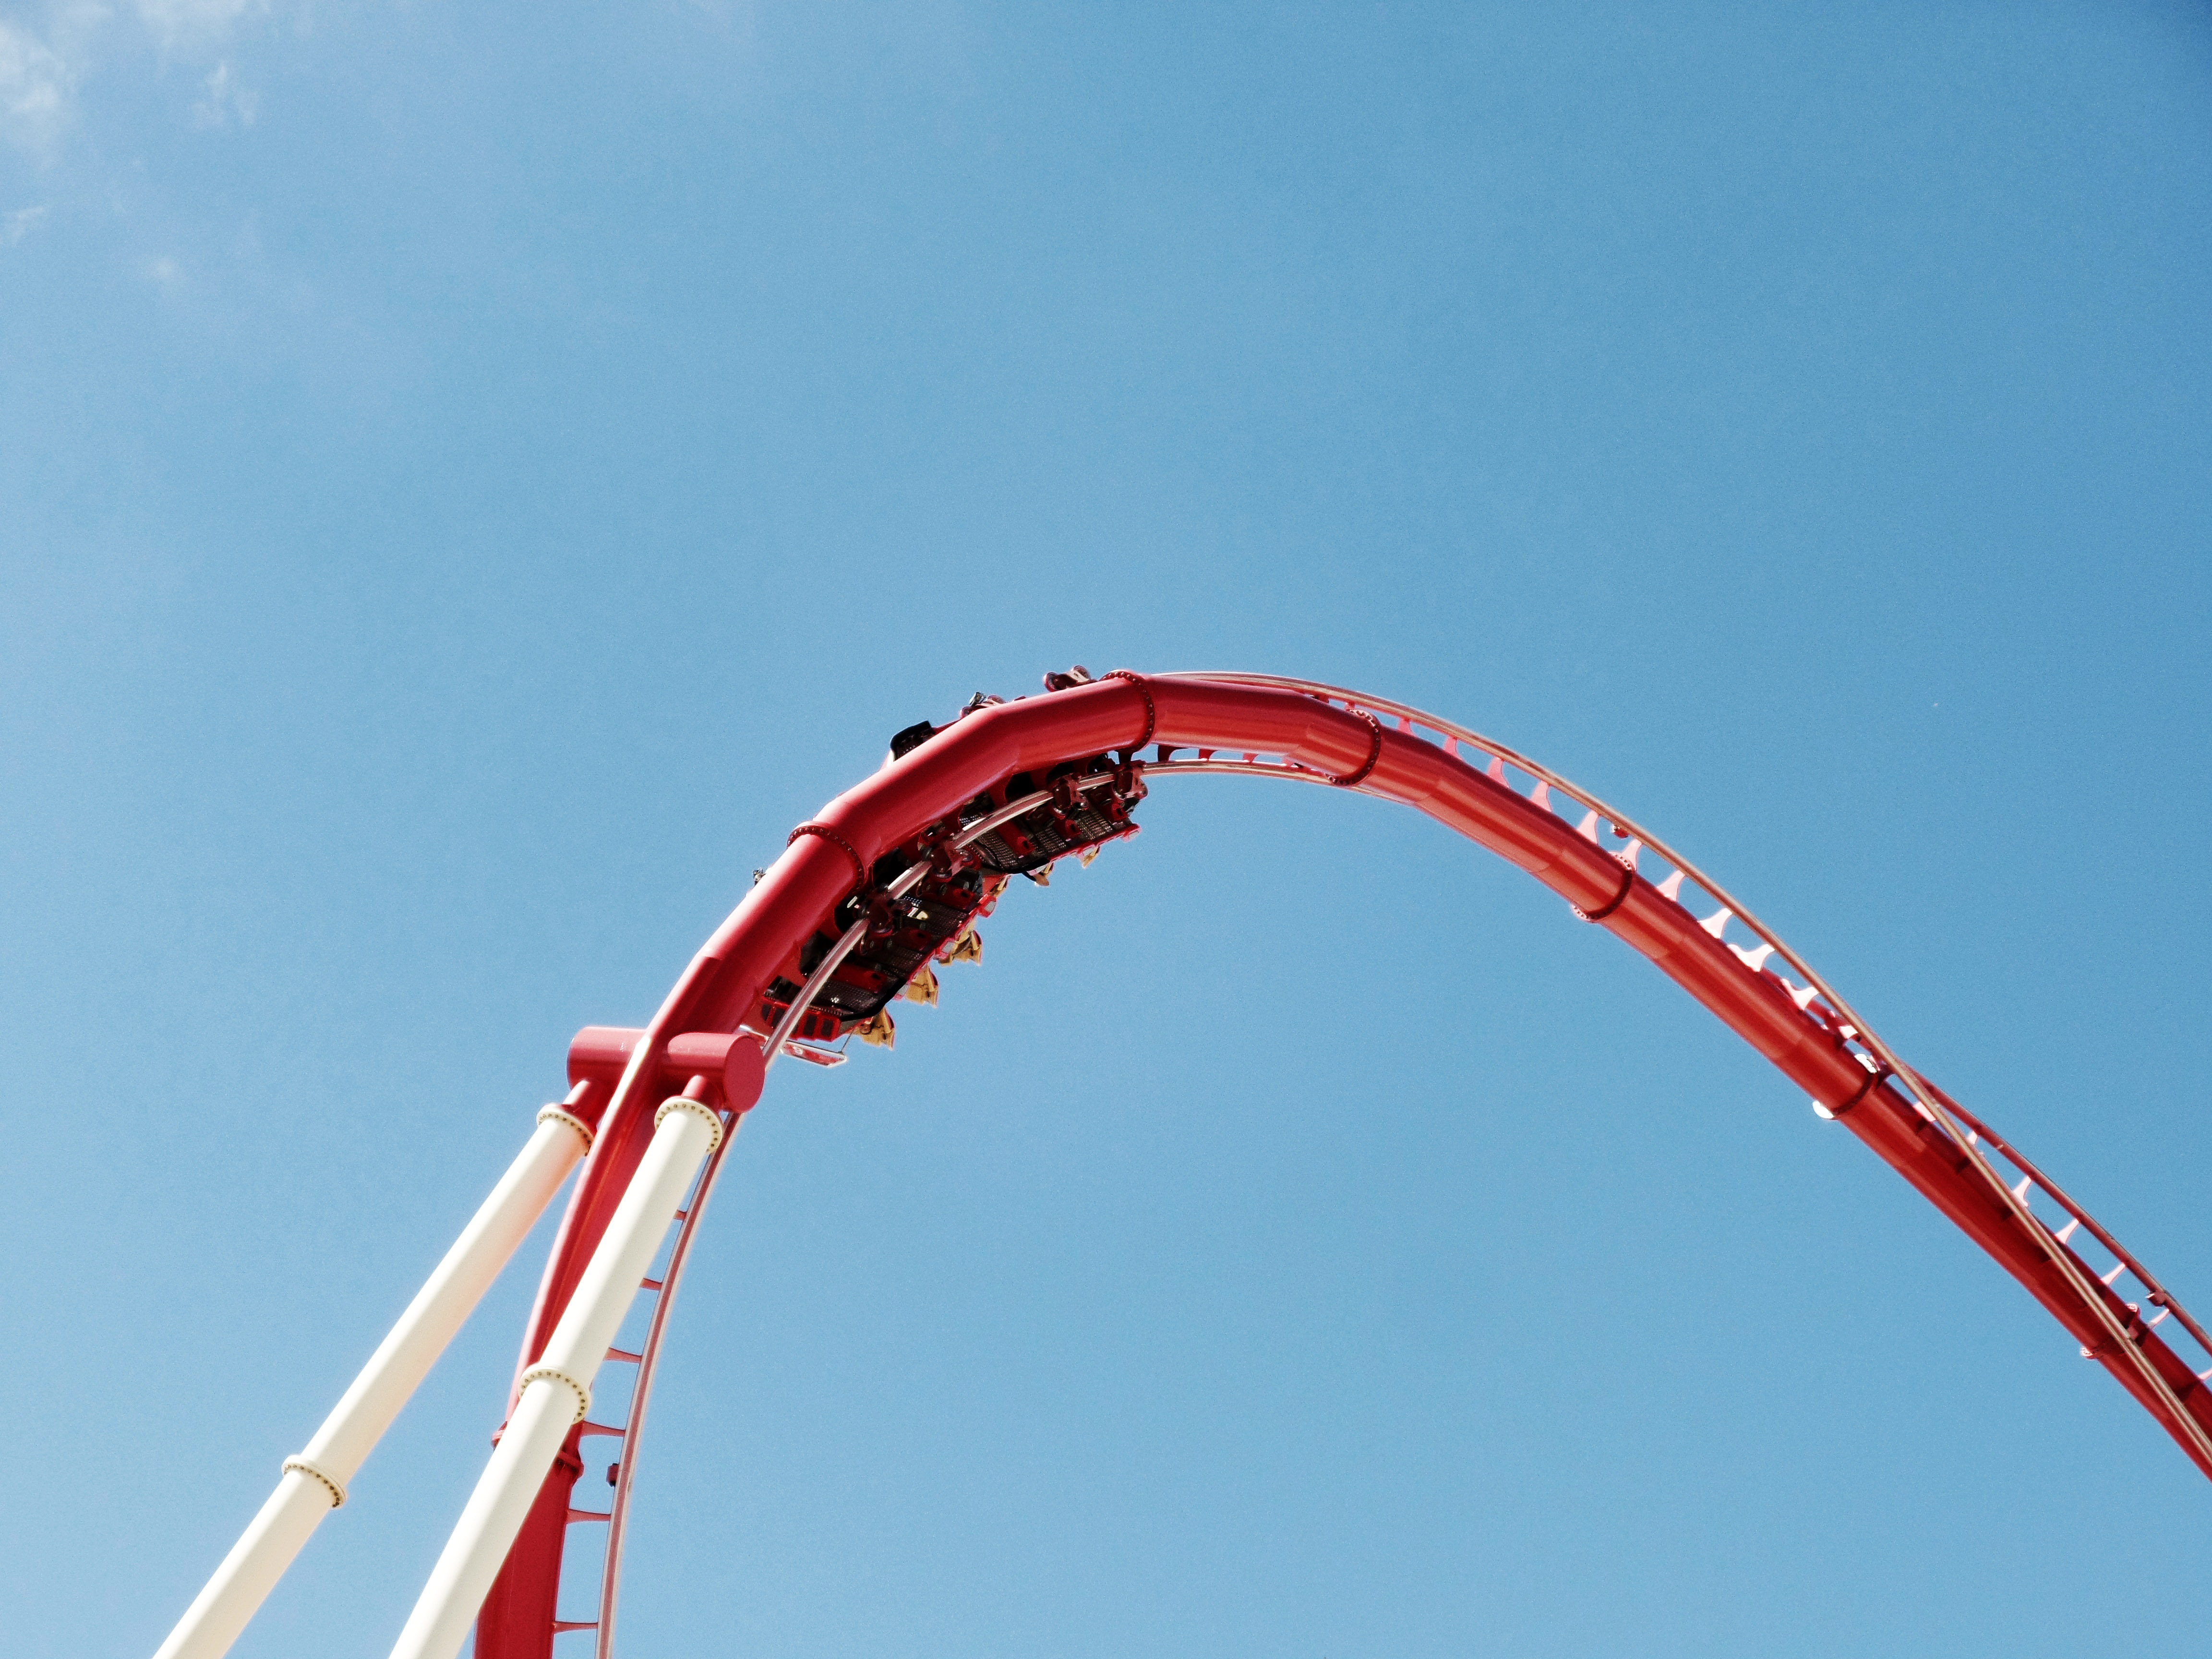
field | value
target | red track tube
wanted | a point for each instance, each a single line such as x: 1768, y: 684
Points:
x: 723, y: 985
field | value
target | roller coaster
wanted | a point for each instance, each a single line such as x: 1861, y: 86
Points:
x: 887, y: 886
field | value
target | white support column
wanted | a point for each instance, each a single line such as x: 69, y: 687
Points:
x: 557, y: 1391
x: 315, y: 1482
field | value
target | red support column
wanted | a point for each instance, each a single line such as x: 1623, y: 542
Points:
x: 517, y: 1619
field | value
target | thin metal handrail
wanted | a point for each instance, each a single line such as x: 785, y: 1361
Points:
x: 695, y: 1211
x: 1932, y: 1106
x: 2162, y: 1297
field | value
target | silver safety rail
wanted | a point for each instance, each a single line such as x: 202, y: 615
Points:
x: 628, y: 1430
x: 1602, y: 824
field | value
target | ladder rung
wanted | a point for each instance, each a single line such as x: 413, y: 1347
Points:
x: 574, y: 1515
x: 624, y: 1354
x: 649, y: 1284
x: 560, y: 1625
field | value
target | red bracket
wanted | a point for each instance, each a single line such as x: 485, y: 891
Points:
x: 731, y: 1061
x: 1151, y: 719
x: 1353, y: 779
x: 860, y: 870
x: 1628, y: 886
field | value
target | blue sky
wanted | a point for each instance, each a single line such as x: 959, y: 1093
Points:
x: 473, y: 477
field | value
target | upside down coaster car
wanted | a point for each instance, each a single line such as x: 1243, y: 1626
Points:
x: 890, y: 881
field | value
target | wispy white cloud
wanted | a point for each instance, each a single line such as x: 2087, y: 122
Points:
x: 194, y: 22
x: 223, y: 99
x: 48, y: 54
x: 38, y: 86
x: 16, y: 226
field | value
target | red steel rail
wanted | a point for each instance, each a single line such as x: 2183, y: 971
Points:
x: 1263, y: 726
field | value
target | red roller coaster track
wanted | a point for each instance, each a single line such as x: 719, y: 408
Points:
x: 1010, y: 784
